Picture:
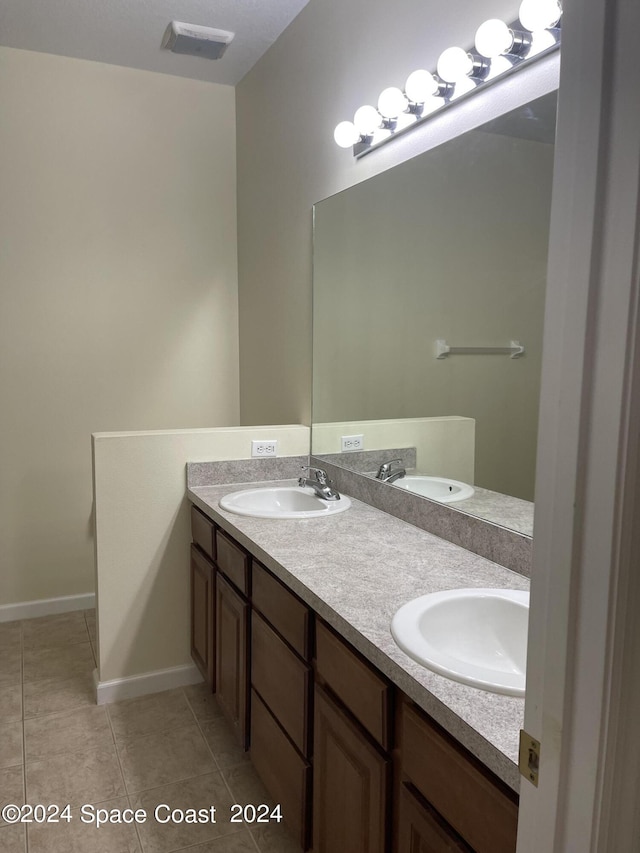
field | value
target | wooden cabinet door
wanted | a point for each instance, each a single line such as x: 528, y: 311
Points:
x: 203, y: 615
x: 232, y: 648
x: 422, y: 830
x: 285, y: 773
x: 350, y: 784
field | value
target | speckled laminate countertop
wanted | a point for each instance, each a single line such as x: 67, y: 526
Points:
x: 355, y: 569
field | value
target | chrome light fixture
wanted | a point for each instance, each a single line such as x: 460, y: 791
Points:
x: 499, y: 50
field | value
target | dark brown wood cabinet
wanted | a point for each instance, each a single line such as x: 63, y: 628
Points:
x: 350, y: 784
x: 232, y: 646
x: 281, y: 680
x: 355, y: 764
x: 203, y: 574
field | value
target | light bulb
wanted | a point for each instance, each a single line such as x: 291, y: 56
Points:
x: 539, y: 14
x: 346, y: 134
x: 392, y: 102
x: 462, y: 87
x: 367, y: 119
x: 454, y: 64
x: 540, y: 41
x: 493, y: 38
x: 420, y: 85
x: 431, y: 104
x: 498, y: 66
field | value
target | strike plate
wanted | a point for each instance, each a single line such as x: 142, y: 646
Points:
x: 529, y: 763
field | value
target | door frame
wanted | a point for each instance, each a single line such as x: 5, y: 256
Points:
x: 584, y: 637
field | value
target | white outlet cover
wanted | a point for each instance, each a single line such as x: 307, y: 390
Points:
x: 262, y: 448
x: 348, y: 443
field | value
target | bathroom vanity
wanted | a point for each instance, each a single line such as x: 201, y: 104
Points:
x: 364, y: 749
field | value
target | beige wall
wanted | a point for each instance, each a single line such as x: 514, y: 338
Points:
x: 334, y: 57
x: 118, y: 288
x: 143, y: 535
x: 445, y: 447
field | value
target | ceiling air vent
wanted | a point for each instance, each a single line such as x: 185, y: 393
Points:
x: 195, y: 40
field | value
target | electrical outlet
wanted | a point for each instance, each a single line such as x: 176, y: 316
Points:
x: 352, y: 442
x: 264, y: 448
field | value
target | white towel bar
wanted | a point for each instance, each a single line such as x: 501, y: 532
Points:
x: 515, y: 350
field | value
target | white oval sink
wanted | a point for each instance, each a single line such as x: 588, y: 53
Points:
x: 476, y: 636
x: 282, y: 502
x: 437, y: 488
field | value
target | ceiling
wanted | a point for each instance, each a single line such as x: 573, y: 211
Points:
x: 129, y: 32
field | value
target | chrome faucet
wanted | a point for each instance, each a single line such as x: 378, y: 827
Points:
x: 320, y: 484
x: 388, y: 474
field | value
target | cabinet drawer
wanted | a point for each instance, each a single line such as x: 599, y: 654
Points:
x: 203, y: 532
x: 286, y: 776
x: 282, y: 680
x: 288, y: 615
x: 355, y: 682
x: 460, y: 789
x: 233, y: 561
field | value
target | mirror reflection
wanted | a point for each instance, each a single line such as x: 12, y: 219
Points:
x: 446, y: 250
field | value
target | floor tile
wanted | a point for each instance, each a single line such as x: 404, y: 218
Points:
x: 245, y: 785
x: 11, y: 744
x: 10, y: 666
x: 165, y: 754
x: 157, y: 712
x: 75, y: 778
x: 10, y: 703
x: 49, y: 695
x: 240, y: 842
x: 80, y: 836
x: 202, y: 701
x: 10, y: 636
x: 274, y: 838
x: 223, y: 744
x: 164, y: 757
x: 11, y: 788
x: 199, y: 793
x: 13, y: 839
x: 59, y: 662
x: 70, y: 731
x: 64, y: 629
x: 90, y: 618
x: 246, y: 788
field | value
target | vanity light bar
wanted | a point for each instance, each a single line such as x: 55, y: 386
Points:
x: 499, y: 50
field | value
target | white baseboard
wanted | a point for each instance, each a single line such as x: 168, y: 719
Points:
x: 146, y: 682
x: 46, y: 607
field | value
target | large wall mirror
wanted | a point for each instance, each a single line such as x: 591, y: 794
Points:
x: 450, y: 246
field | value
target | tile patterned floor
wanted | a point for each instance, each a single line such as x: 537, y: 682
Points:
x: 58, y: 746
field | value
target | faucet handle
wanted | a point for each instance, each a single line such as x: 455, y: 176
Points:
x: 386, y: 466
x: 321, y: 474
